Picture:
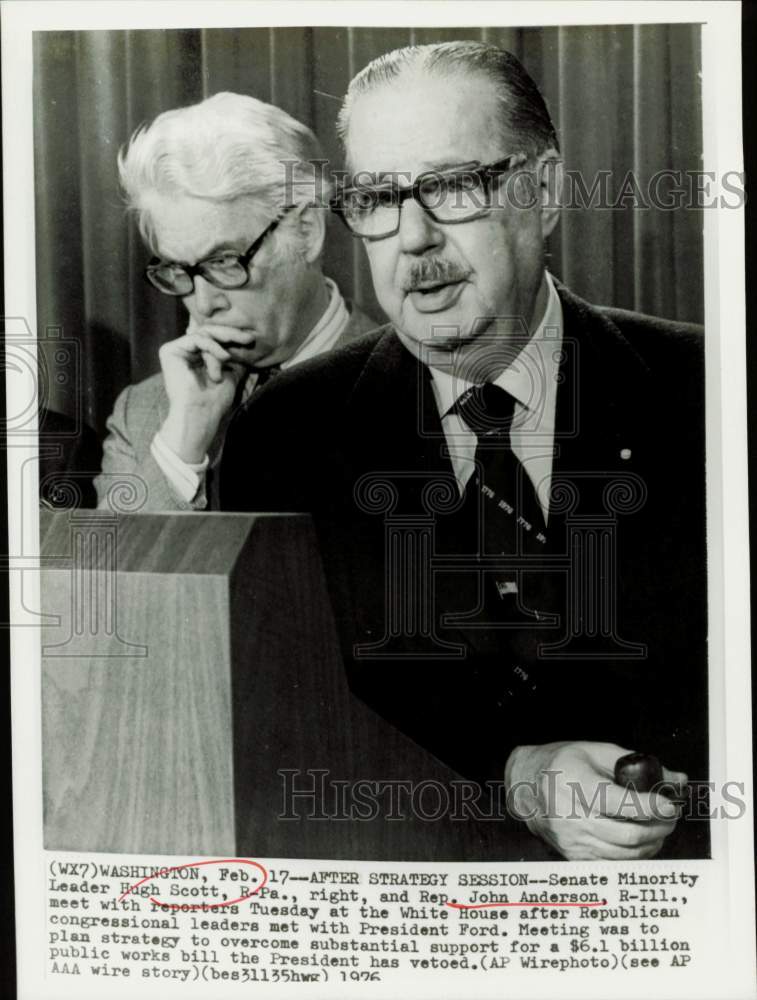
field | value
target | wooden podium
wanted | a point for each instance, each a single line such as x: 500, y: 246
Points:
x: 189, y: 662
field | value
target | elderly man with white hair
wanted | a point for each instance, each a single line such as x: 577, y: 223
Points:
x: 230, y: 195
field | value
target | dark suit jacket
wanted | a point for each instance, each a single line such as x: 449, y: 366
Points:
x: 630, y: 384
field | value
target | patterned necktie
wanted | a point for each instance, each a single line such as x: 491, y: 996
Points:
x: 510, y: 517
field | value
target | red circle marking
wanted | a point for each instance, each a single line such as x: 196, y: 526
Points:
x: 199, y: 864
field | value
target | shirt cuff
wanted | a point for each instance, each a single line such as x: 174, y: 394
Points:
x: 186, y: 479
x: 521, y: 783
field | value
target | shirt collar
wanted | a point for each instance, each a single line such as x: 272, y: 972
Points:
x: 538, y: 359
x: 328, y: 328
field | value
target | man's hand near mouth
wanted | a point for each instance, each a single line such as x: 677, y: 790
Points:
x: 201, y: 371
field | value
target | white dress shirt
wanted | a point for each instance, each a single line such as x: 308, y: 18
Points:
x: 532, y: 379
x: 186, y: 479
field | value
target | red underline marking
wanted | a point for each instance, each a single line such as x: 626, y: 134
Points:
x: 483, y: 906
x: 186, y: 907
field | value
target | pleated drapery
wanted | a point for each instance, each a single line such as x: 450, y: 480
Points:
x: 624, y: 99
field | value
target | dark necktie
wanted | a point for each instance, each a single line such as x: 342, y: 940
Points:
x: 264, y: 374
x: 501, y: 496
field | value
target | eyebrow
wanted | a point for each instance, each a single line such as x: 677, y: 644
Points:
x: 216, y: 248
x: 452, y: 165
x: 387, y: 176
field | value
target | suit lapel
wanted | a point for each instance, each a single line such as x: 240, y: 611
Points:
x: 604, y: 400
x: 358, y: 324
x: 392, y: 412
x: 605, y: 463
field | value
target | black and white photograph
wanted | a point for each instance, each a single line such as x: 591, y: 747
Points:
x: 404, y: 240
x: 374, y: 471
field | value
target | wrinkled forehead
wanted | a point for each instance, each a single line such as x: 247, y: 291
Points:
x: 188, y: 228
x: 422, y: 121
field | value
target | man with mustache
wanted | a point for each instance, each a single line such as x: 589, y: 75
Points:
x: 509, y: 529
x: 230, y: 196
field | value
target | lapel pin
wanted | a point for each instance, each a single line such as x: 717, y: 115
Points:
x: 625, y: 454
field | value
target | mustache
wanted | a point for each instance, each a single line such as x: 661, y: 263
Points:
x: 435, y: 271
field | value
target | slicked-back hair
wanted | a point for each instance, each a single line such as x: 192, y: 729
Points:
x: 225, y: 147
x: 525, y: 118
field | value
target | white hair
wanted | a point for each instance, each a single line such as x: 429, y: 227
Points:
x: 223, y: 148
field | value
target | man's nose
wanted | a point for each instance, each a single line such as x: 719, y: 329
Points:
x: 418, y: 231
x: 206, y: 298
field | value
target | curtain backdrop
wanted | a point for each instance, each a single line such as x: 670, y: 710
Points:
x: 623, y: 99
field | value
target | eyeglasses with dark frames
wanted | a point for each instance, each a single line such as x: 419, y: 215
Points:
x: 224, y: 269
x: 450, y: 197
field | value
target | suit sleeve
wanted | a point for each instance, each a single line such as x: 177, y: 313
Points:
x: 130, y: 478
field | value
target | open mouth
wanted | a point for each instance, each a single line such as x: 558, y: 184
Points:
x: 433, y: 297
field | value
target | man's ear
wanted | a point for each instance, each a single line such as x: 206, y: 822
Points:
x: 311, y: 224
x: 550, y: 188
